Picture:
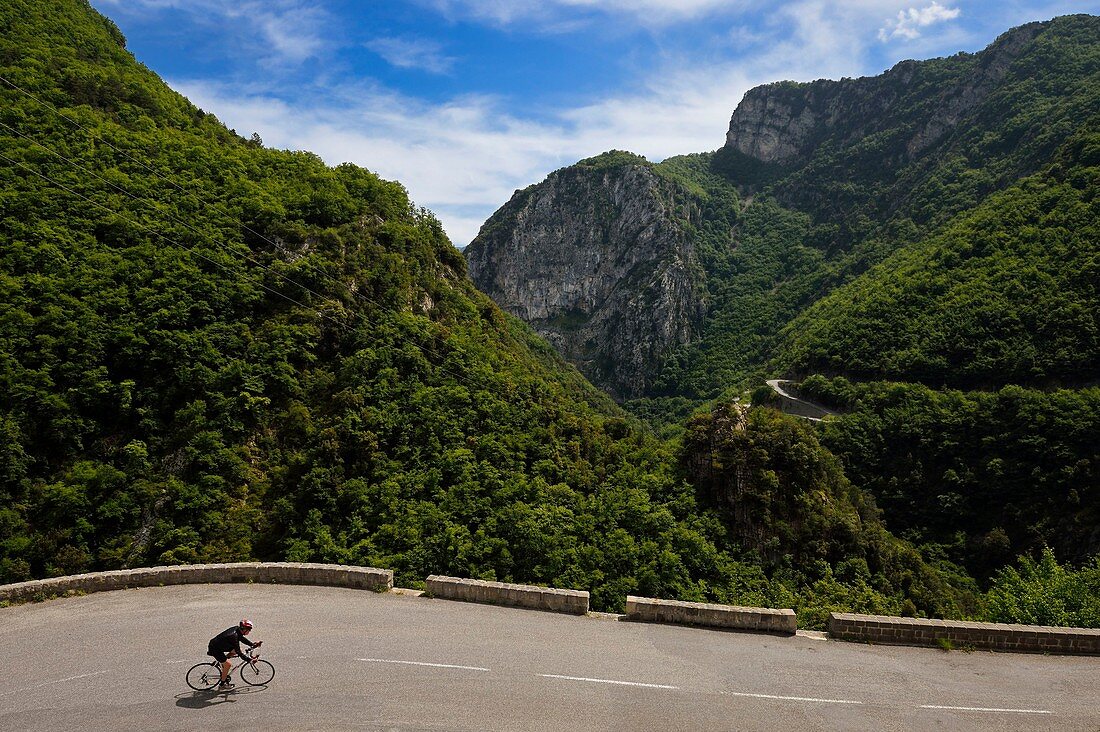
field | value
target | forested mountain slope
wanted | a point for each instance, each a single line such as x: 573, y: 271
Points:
x: 211, y: 351
x: 817, y: 183
x: 214, y: 351
x: 927, y: 239
x: 1006, y: 293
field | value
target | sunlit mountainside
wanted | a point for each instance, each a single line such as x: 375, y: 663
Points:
x: 214, y: 351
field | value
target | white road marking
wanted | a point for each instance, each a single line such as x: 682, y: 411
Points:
x: 421, y: 663
x: 59, y: 681
x: 792, y: 698
x: 608, y: 681
x: 988, y: 709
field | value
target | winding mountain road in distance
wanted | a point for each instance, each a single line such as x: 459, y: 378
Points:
x: 356, y: 660
x: 801, y: 407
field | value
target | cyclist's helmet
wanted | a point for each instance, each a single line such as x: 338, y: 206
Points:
x: 245, y: 624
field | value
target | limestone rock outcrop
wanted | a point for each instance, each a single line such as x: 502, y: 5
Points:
x: 596, y: 259
x: 785, y: 122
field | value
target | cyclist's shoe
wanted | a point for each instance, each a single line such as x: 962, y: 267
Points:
x: 225, y: 685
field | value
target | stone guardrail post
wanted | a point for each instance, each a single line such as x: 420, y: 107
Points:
x: 763, y: 620
x: 331, y: 575
x: 963, y: 634
x: 501, y: 593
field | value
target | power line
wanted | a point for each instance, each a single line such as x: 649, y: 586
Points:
x: 178, y: 220
x: 171, y: 182
x: 162, y: 236
x: 358, y: 294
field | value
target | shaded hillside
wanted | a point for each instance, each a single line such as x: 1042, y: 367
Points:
x: 786, y: 498
x: 987, y: 475
x: 1007, y: 293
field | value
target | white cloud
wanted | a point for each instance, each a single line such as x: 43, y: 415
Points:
x: 560, y: 15
x: 910, y: 21
x: 412, y: 53
x: 465, y: 157
x: 277, y: 31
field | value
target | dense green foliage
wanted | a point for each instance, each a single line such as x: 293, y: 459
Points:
x: 989, y: 475
x: 612, y: 159
x: 786, y: 498
x: 225, y: 352
x: 1044, y: 592
x: 1007, y: 293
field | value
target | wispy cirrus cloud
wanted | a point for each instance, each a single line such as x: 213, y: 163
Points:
x: 909, y: 23
x: 274, y: 31
x: 562, y: 15
x: 412, y: 53
x: 462, y: 149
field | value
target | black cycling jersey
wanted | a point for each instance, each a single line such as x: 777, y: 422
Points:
x: 228, y: 640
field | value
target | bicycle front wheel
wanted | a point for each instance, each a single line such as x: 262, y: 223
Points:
x: 203, y: 676
x: 257, y: 673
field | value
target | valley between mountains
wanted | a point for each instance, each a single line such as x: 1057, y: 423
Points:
x: 212, y: 350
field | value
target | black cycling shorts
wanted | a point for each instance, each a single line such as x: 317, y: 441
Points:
x: 219, y: 655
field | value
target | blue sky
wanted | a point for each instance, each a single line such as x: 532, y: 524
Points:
x: 464, y: 101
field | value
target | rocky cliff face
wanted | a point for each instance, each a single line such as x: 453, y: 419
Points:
x: 596, y: 259
x: 816, y: 183
x: 785, y: 122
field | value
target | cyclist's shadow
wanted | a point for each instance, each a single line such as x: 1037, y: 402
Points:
x: 213, y: 697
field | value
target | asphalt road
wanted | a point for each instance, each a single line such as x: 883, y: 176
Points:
x: 350, y: 659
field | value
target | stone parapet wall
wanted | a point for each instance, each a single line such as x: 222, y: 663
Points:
x: 842, y: 626
x: 291, y: 573
x: 964, y: 634
x: 764, y: 620
x: 574, y: 602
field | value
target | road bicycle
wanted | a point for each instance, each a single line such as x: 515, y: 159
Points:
x: 253, y: 671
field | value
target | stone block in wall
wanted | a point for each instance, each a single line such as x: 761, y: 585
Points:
x: 769, y: 620
x: 20, y: 590
x: 513, y: 595
x: 991, y: 636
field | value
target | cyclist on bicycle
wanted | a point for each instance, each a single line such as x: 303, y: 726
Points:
x: 227, y: 644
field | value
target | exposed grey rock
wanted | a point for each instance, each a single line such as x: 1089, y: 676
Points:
x: 783, y: 123
x: 597, y: 261
x: 601, y: 257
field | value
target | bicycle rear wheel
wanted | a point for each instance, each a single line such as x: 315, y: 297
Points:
x: 257, y: 673
x: 203, y: 676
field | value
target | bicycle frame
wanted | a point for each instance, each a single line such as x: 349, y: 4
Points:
x: 252, y: 656
x: 205, y: 676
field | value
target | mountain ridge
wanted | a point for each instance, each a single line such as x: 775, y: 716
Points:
x: 249, y: 354
x: 929, y: 244
x: 935, y: 139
